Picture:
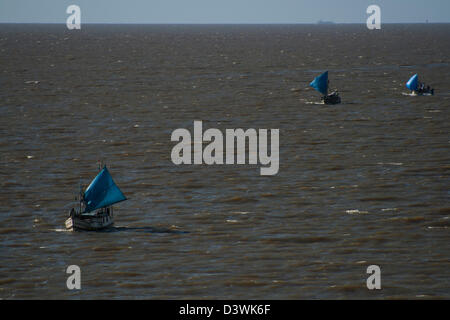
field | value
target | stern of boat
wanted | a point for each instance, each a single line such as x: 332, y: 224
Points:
x: 69, y: 223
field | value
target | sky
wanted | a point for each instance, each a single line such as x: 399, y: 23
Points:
x: 223, y: 11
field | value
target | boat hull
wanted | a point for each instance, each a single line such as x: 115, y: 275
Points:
x: 331, y: 99
x: 89, y: 223
x: 424, y: 93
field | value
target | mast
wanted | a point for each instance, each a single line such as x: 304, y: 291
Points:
x: 80, y: 197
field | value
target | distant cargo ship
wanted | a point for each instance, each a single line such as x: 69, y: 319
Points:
x: 325, y: 22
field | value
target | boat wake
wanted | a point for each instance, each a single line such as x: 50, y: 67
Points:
x: 315, y: 102
x: 130, y: 229
x: 331, y: 105
x: 416, y: 95
x: 146, y: 230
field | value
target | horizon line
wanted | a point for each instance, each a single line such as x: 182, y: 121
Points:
x: 320, y: 22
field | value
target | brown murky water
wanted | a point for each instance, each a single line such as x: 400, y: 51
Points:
x: 365, y: 182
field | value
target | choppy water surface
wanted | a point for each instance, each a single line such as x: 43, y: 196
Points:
x: 365, y: 182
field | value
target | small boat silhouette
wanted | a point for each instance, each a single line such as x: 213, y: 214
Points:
x: 418, y: 88
x: 95, y: 211
x: 321, y: 84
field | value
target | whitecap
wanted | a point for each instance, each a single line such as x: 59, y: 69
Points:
x: 355, y: 211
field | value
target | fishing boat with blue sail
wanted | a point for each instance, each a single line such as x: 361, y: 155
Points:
x: 321, y: 84
x: 417, y: 88
x: 95, y: 211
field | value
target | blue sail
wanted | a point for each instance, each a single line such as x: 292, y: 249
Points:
x: 412, y: 82
x: 102, y: 192
x: 320, y: 83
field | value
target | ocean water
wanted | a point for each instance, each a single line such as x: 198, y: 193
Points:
x: 362, y: 183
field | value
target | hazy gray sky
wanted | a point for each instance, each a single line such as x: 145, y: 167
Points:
x: 224, y: 11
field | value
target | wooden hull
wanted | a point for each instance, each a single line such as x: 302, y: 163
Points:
x: 331, y: 99
x: 91, y: 223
